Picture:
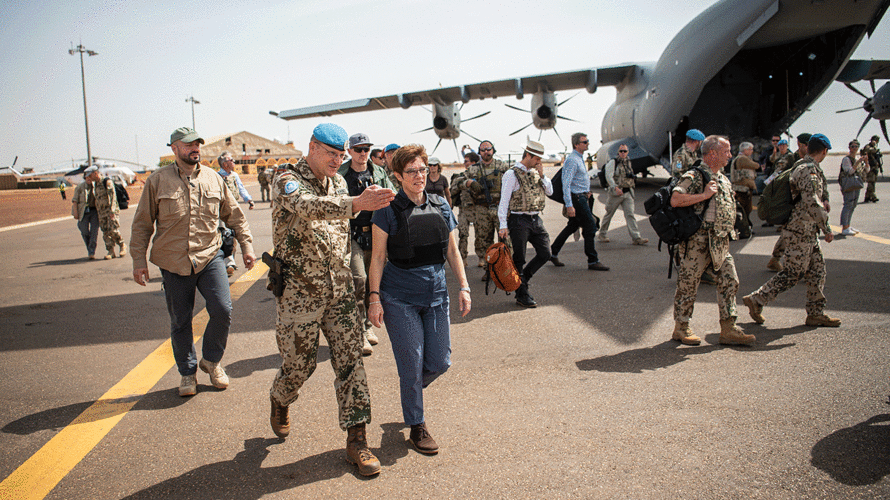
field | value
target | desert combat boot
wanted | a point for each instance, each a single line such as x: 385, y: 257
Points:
x: 684, y: 334
x: 358, y: 453
x: 755, y: 309
x: 822, y: 320
x: 280, y: 419
x: 730, y: 333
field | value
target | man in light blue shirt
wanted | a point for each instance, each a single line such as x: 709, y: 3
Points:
x: 233, y: 182
x: 577, y: 198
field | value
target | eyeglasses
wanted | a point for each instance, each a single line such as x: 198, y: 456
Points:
x: 622, y: 151
x: 485, y: 150
x: 334, y: 155
x: 416, y: 171
x: 358, y: 149
x: 775, y: 140
x: 583, y: 142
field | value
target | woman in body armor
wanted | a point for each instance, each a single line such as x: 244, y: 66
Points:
x: 412, y: 239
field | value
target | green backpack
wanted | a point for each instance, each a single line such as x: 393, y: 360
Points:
x: 776, y: 202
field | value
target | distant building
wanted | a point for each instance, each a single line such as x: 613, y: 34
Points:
x: 249, y: 151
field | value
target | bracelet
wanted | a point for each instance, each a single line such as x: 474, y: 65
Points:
x: 372, y: 303
x: 464, y: 289
x: 373, y: 293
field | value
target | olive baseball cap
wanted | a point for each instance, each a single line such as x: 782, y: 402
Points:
x: 185, y: 134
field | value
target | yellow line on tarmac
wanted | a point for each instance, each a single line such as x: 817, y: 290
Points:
x: 877, y: 239
x: 42, y: 472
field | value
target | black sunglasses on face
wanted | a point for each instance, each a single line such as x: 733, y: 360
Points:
x: 360, y: 149
x: 622, y: 151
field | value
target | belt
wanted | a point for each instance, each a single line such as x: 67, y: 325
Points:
x: 585, y: 194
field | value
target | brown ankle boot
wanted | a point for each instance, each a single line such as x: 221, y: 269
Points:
x: 754, y: 309
x: 422, y: 441
x: 279, y: 419
x: 822, y: 320
x: 684, y: 334
x: 358, y: 453
x: 774, y: 265
x: 730, y: 333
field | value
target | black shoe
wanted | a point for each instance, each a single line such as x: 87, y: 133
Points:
x: 526, y: 301
x: 597, y: 266
x: 556, y: 262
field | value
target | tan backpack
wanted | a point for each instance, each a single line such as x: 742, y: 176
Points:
x: 501, y: 270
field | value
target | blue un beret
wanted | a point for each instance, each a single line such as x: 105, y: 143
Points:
x: 821, y: 138
x: 332, y: 135
x: 695, y: 134
x: 390, y: 147
x: 783, y: 141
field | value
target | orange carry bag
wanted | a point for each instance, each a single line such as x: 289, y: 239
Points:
x: 501, y: 270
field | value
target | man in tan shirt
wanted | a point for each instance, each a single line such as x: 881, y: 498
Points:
x: 182, y: 205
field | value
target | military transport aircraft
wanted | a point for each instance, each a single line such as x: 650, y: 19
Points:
x: 743, y: 68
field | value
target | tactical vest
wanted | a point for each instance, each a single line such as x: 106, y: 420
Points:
x: 491, y: 175
x: 530, y: 195
x: 622, y: 170
x: 422, y: 235
x: 230, y: 182
x: 356, y: 183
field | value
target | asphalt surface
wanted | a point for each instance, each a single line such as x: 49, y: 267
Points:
x: 585, y: 396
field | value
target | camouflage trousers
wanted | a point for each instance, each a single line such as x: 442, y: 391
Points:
x: 111, y: 231
x: 359, y: 263
x: 487, y: 229
x: 870, y: 191
x: 779, y: 248
x: 695, y: 259
x: 803, y: 261
x: 467, y: 215
x: 302, y: 314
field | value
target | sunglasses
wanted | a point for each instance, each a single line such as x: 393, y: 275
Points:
x: 485, y: 150
x: 583, y: 142
x: 622, y: 151
x: 360, y: 149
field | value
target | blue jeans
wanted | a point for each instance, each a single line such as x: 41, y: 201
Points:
x: 89, y: 229
x: 213, y: 283
x: 421, y: 343
x: 850, y: 200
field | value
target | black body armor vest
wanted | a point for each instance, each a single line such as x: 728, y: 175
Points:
x: 422, y: 237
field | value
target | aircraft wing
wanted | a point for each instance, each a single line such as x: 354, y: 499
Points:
x: 857, y: 69
x: 588, y: 79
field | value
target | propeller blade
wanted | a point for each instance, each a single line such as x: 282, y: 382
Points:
x: 517, y: 109
x: 559, y: 136
x: 459, y: 157
x: 854, y: 89
x: 424, y: 130
x: 540, y: 134
x: 523, y: 128
x: 851, y: 109
x: 471, y: 137
x: 477, y: 116
x: 437, y: 145
x: 873, y: 91
x: 884, y: 129
x: 867, y: 118
x: 569, y: 119
x: 567, y: 100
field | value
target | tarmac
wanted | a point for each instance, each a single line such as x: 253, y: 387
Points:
x: 585, y: 396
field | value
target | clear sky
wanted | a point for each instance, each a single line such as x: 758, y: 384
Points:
x: 243, y: 59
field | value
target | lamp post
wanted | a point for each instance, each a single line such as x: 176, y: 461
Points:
x: 193, y: 101
x: 81, y: 49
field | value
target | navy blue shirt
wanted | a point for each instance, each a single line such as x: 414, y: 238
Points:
x: 423, y: 285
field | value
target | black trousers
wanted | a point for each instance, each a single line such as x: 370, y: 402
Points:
x: 583, y: 219
x: 526, y: 229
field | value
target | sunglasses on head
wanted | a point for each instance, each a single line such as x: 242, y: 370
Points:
x: 361, y: 149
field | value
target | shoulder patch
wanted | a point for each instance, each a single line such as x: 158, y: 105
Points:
x: 290, y: 187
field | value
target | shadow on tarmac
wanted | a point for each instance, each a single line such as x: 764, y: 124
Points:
x: 246, y: 367
x: 671, y: 352
x: 244, y: 477
x: 59, y: 418
x: 858, y: 455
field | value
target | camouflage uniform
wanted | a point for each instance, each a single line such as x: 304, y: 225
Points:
x: 311, y: 235
x: 109, y: 214
x: 803, y: 256
x: 682, y: 160
x: 785, y: 161
x: 263, y: 178
x: 487, y: 212
x: 466, y: 216
x: 782, y: 243
x: 875, y: 160
x: 709, y: 246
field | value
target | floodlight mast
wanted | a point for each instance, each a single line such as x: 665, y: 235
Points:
x: 80, y: 49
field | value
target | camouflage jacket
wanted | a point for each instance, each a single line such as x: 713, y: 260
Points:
x: 682, y: 160
x: 722, y: 230
x: 262, y: 177
x: 808, y: 216
x: 106, y: 199
x: 491, y: 175
x: 785, y: 161
x: 530, y: 196
x: 875, y: 161
x: 310, y: 220
x: 459, y: 188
